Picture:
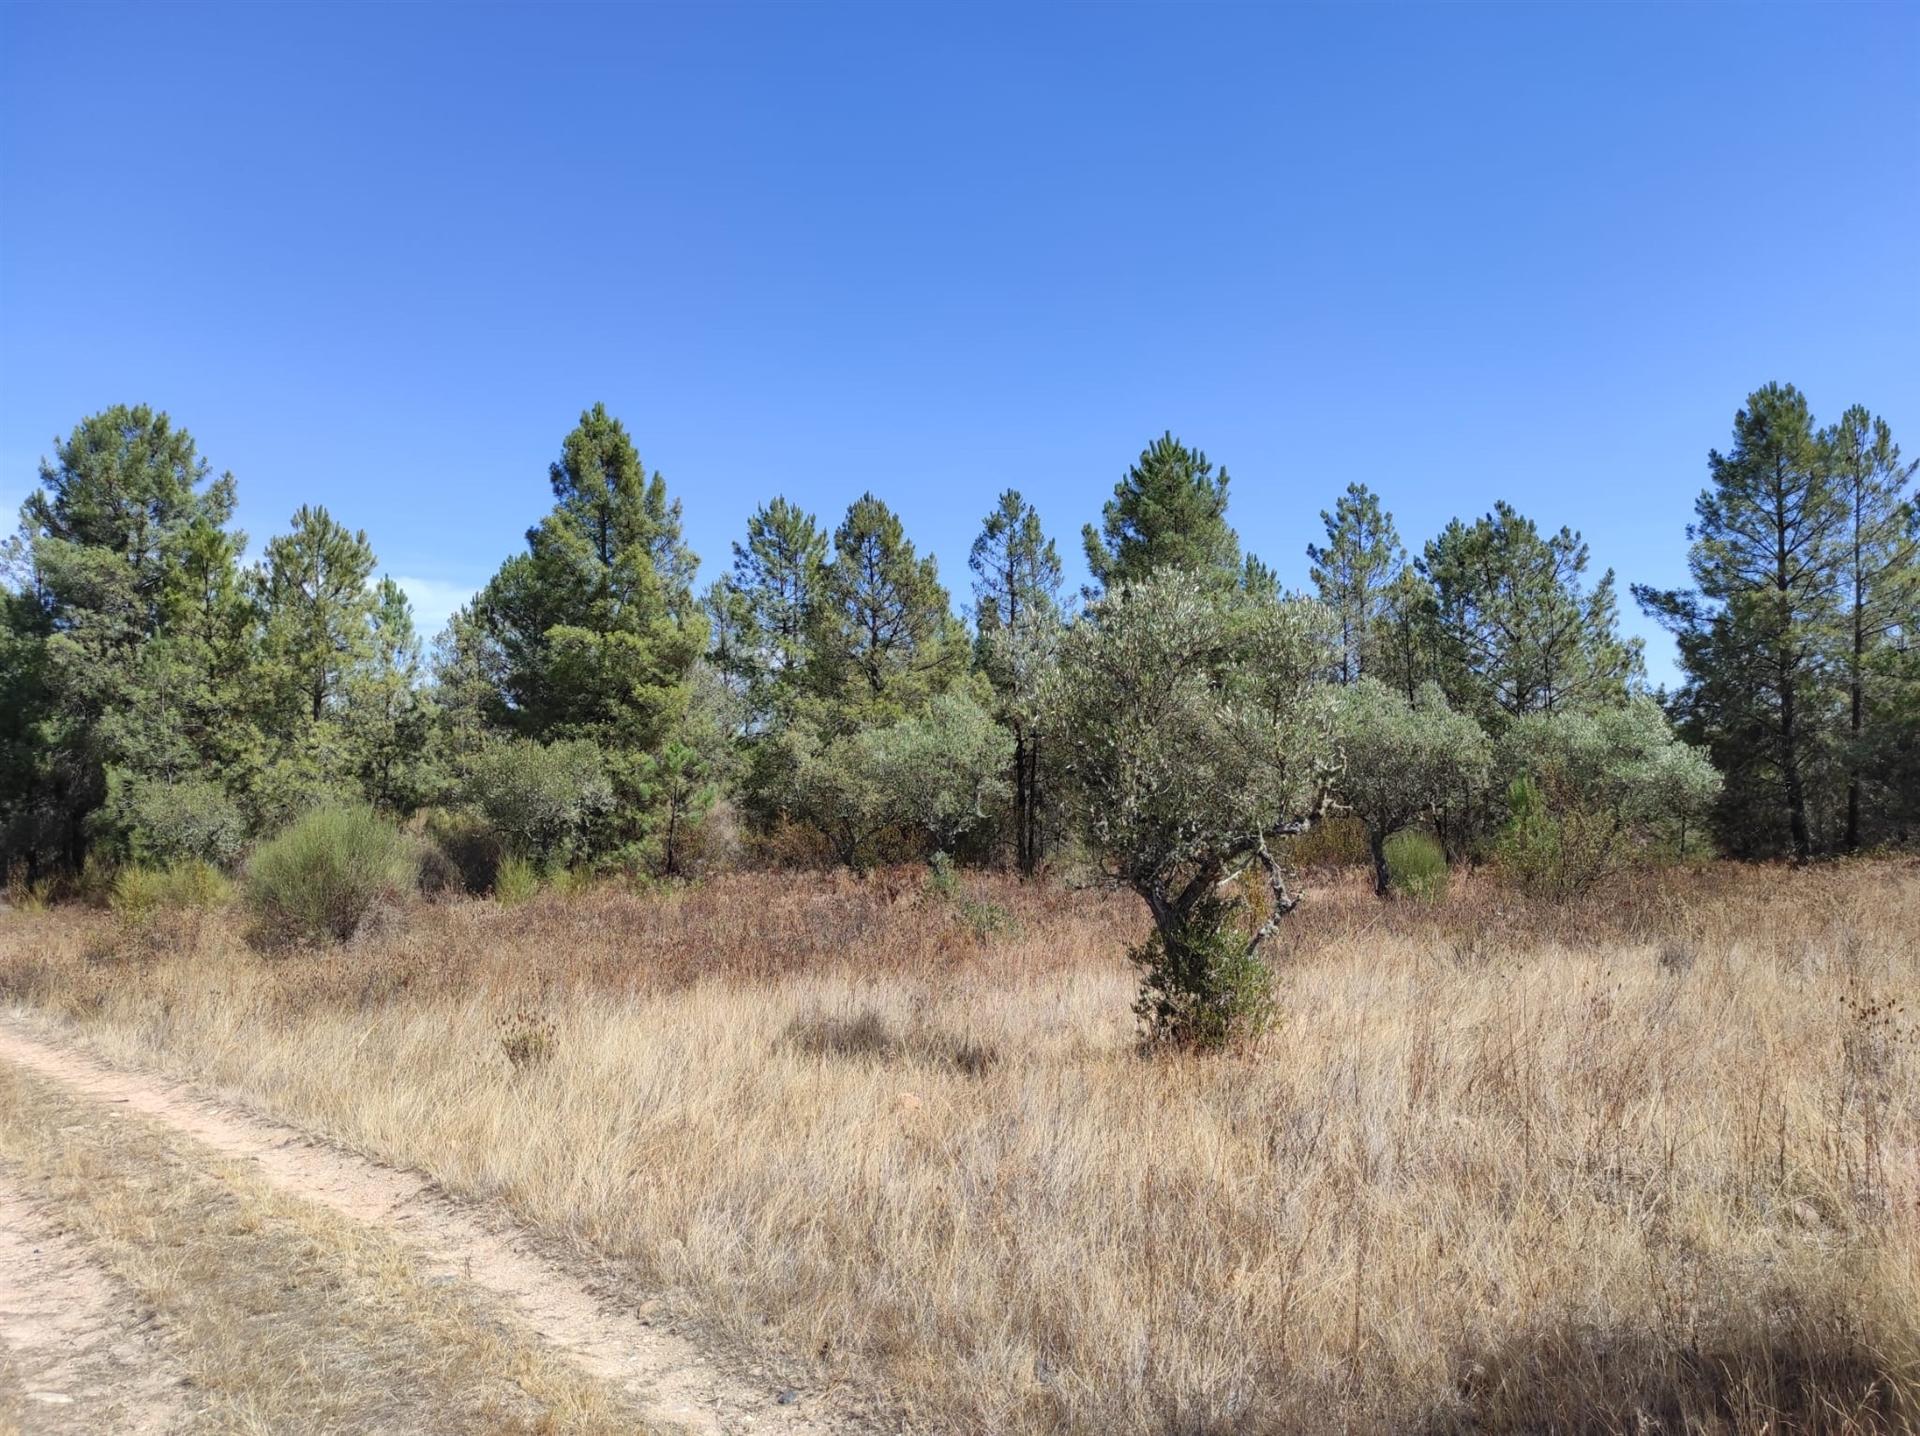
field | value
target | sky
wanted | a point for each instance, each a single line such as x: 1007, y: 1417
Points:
x: 382, y: 258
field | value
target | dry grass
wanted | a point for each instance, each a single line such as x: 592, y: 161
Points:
x: 1649, y: 1163
x: 283, y: 1316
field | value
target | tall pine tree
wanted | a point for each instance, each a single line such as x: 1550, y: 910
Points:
x: 1757, y: 632
x: 1170, y: 511
x: 1016, y: 597
x: 1880, y: 571
x: 1353, y: 570
x: 1515, y: 629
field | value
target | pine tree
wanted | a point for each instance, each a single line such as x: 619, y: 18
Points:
x: 1016, y: 595
x: 389, y: 717
x: 1360, y: 559
x: 884, y: 637
x: 1403, y: 634
x: 1169, y: 511
x: 1880, y: 568
x: 592, y: 633
x: 1515, y: 631
x: 1757, y: 633
x: 103, y: 540
x: 595, y: 624
x: 318, y: 608
x: 765, y: 605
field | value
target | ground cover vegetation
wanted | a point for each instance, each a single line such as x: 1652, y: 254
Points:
x: 1643, y: 1158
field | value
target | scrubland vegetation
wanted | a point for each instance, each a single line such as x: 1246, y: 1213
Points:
x: 1650, y: 1158
x: 1193, y: 1007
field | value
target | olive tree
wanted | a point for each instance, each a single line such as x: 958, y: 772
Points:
x: 1405, y: 762
x: 923, y: 783
x: 1590, y: 789
x: 1196, y: 736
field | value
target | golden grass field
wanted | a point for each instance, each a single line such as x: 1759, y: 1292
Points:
x: 1648, y: 1162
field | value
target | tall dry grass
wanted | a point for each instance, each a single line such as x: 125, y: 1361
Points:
x: 1648, y: 1163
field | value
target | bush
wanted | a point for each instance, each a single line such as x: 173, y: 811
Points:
x: 1336, y: 841
x: 321, y: 877
x: 516, y: 882
x: 547, y: 800
x: 1201, y: 984
x: 471, y: 844
x: 1417, y: 865
x: 1595, y: 792
x: 138, y: 892
x: 189, y: 820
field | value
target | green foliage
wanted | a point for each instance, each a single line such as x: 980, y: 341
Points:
x: 173, y: 822
x: 1196, y: 735
x: 516, y: 881
x: 1405, y: 763
x: 1016, y: 605
x: 318, y: 611
x: 1513, y: 630
x: 1202, y: 985
x: 1170, y: 511
x: 389, y: 718
x: 917, y: 785
x: 884, y: 638
x: 1352, y: 571
x: 1594, y: 791
x: 546, y: 800
x: 1416, y: 865
x: 318, y: 880
x: 763, y: 611
x: 589, y: 636
x: 100, y: 668
x: 1803, y: 564
x: 591, y: 631
x: 139, y: 892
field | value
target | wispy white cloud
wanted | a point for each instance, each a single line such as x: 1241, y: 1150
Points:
x: 434, y: 600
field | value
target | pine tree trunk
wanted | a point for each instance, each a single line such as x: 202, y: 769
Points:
x: 1033, y: 807
x: 1022, y: 807
x: 1857, y: 704
x: 1790, y: 766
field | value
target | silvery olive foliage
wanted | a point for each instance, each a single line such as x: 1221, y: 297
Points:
x: 1405, y: 763
x: 931, y: 779
x: 1197, y: 735
x: 1591, y: 788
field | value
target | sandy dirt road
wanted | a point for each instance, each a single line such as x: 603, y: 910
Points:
x: 76, y: 1348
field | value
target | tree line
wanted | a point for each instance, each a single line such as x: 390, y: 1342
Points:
x: 1178, y: 717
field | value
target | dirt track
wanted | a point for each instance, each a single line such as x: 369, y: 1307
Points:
x: 66, y: 1334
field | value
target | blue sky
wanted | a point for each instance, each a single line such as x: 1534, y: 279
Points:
x: 382, y: 258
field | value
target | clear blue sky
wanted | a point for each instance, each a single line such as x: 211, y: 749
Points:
x: 382, y: 258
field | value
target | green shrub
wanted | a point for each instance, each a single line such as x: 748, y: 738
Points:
x: 188, y: 820
x: 1201, y: 984
x: 548, y: 801
x: 1596, y: 792
x: 137, y: 894
x: 319, y: 879
x: 1417, y: 865
x: 195, y: 884
x: 1555, y: 851
x: 516, y: 882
